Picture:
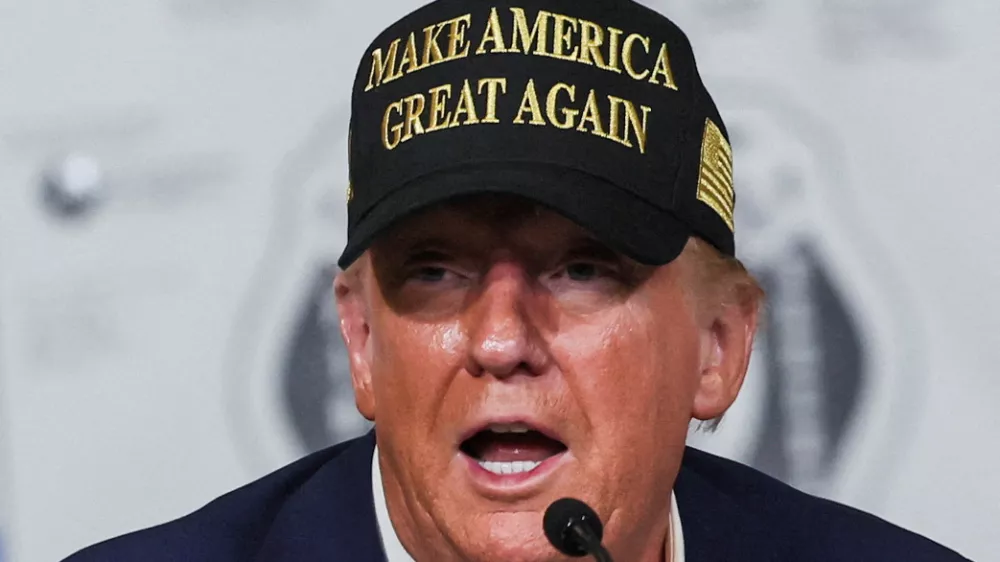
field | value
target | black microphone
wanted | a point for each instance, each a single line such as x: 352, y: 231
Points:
x: 574, y: 529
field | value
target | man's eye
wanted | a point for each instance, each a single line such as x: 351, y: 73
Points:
x: 430, y: 274
x: 582, y: 271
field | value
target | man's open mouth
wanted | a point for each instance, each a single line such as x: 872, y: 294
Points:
x: 514, y: 448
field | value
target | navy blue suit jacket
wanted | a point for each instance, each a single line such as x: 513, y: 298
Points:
x: 320, y: 509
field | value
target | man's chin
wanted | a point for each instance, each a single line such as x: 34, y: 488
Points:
x: 514, y: 536
x: 503, y: 513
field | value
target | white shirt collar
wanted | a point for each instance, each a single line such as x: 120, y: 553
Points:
x: 395, y: 552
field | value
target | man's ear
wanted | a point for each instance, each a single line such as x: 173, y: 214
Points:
x: 352, y: 309
x: 726, y: 344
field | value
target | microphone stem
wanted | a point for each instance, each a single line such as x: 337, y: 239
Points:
x: 591, y: 543
x: 601, y: 554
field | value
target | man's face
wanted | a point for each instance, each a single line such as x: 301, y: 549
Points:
x: 509, y: 360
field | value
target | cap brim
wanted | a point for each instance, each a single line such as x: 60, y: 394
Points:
x: 614, y: 216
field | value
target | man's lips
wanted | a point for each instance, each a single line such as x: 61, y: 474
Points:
x: 514, y: 480
x: 511, y: 450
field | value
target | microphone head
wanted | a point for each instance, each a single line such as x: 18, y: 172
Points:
x: 564, y: 514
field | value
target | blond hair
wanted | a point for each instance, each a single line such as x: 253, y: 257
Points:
x: 720, y: 280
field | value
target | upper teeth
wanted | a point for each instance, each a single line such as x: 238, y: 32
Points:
x: 509, y: 428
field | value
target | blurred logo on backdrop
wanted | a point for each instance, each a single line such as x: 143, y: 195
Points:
x: 289, y: 386
x: 824, y: 406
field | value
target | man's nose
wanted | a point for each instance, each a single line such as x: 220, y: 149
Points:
x: 505, y: 339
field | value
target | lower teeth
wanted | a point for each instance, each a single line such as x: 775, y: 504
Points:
x: 516, y: 467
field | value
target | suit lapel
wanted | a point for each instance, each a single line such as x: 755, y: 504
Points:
x: 717, y: 527
x: 332, y: 516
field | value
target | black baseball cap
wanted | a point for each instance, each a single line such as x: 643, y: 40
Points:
x: 593, y: 108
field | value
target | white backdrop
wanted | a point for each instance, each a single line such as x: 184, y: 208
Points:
x: 171, y: 203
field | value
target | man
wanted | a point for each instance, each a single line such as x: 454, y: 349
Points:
x: 540, y: 292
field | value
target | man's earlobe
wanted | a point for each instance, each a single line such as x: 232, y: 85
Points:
x: 725, y: 351
x: 354, y: 328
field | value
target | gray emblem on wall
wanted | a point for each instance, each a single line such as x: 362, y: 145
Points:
x: 316, y: 385
x: 821, y: 407
x: 289, y: 390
